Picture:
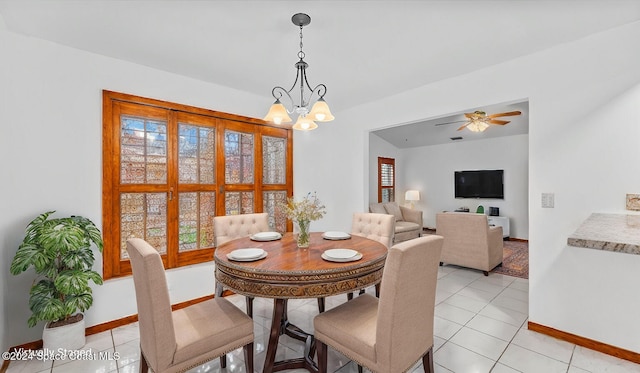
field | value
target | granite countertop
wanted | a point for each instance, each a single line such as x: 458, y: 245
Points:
x: 610, y: 232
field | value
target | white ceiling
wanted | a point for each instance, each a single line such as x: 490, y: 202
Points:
x: 362, y: 50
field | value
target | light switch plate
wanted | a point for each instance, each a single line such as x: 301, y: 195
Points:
x: 548, y: 200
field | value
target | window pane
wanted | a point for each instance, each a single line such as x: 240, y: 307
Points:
x: 143, y: 151
x: 277, y: 217
x: 274, y: 155
x: 238, y: 203
x: 386, y: 174
x: 197, y: 210
x: 238, y: 152
x: 196, y: 154
x: 143, y: 215
x: 387, y: 195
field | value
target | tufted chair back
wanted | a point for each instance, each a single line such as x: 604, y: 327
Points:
x: 230, y: 227
x: 379, y: 227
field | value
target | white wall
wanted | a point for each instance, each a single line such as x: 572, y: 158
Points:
x: 379, y: 147
x: 51, y: 154
x: 430, y: 169
x: 583, y: 135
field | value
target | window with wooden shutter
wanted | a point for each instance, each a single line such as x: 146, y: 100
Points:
x: 386, y: 179
x: 168, y: 169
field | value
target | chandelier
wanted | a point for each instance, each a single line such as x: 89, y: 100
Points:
x: 319, y: 112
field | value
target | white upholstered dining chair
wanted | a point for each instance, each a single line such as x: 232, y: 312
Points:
x: 176, y: 341
x: 392, y: 333
x: 230, y: 227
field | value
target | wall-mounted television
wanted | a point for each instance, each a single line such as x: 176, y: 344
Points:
x: 479, y: 184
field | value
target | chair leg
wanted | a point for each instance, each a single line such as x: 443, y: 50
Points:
x: 249, y: 303
x: 144, y: 367
x: 361, y: 291
x: 427, y: 361
x: 359, y: 368
x: 321, y: 305
x: 321, y: 349
x: 349, y: 296
x: 441, y: 264
x: 378, y: 290
x: 223, y: 361
x: 486, y: 273
x: 248, y: 356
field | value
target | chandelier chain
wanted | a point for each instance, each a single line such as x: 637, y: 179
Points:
x: 301, y: 53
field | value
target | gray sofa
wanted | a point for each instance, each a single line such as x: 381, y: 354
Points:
x: 408, y: 222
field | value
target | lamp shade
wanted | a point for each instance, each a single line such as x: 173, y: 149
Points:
x: 277, y: 114
x: 320, y: 111
x: 305, y: 124
x: 412, y: 195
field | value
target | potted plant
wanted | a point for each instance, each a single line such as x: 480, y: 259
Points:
x: 60, y: 252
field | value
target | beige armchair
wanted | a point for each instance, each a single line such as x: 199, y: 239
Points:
x: 176, y: 341
x: 469, y: 241
x: 408, y: 222
x: 230, y: 227
x: 392, y: 333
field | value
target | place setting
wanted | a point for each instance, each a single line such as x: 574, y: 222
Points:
x: 266, y: 236
x: 341, y: 255
x: 247, y: 255
x: 336, y: 235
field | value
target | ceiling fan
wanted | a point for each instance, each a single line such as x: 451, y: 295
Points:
x: 479, y: 121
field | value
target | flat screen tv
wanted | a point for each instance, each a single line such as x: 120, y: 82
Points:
x: 479, y: 184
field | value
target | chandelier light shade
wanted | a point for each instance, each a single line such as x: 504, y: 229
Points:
x: 300, y: 106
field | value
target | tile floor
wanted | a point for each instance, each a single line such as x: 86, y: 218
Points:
x: 480, y: 326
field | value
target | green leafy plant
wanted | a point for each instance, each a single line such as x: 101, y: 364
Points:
x: 60, y: 252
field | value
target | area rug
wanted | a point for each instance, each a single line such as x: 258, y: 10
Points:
x: 515, y: 260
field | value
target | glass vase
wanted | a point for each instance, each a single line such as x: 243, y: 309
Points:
x: 303, y: 235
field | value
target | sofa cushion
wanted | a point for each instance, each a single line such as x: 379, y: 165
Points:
x: 393, y: 209
x: 377, y: 208
x: 406, y: 226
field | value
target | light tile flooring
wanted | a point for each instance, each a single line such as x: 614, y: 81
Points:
x: 480, y: 326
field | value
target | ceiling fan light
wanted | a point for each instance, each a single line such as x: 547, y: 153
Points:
x: 477, y: 126
x: 305, y: 124
x: 277, y: 114
x: 320, y: 111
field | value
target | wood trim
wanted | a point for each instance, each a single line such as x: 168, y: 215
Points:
x: 586, y: 342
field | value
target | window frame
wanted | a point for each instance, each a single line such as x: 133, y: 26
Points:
x: 386, y: 161
x: 113, y: 265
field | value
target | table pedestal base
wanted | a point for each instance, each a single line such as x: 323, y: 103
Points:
x: 281, y: 325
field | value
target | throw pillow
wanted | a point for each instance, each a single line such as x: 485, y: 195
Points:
x: 393, y: 209
x: 377, y: 208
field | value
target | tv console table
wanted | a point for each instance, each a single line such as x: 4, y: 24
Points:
x: 500, y: 221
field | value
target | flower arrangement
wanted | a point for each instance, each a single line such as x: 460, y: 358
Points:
x: 302, y: 213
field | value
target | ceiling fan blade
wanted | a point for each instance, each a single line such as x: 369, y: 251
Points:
x: 442, y: 124
x: 463, y: 126
x: 499, y: 122
x: 507, y: 114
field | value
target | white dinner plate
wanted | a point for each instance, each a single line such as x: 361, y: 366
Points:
x: 264, y: 255
x: 334, y: 235
x: 243, y: 254
x: 266, y: 236
x: 340, y: 253
x: 354, y: 258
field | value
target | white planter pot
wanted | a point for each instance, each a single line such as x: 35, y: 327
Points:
x: 70, y: 337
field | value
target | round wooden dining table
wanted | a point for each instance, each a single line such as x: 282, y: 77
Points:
x: 289, y: 272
